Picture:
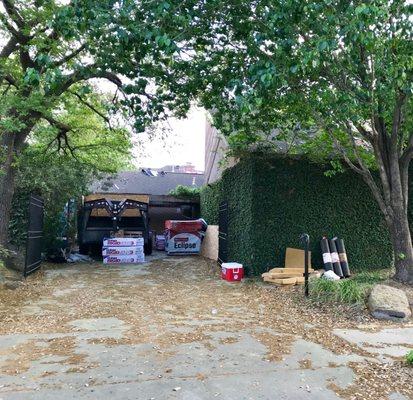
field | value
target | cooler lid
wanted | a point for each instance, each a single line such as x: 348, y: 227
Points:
x: 231, y: 265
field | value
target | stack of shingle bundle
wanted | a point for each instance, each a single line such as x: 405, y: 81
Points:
x: 123, y: 251
x: 160, y: 242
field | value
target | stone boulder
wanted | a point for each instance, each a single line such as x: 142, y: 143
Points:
x: 386, y: 302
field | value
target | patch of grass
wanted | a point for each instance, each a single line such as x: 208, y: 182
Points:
x: 350, y: 291
x: 409, y: 358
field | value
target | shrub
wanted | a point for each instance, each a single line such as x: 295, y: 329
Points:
x: 350, y: 291
x: 186, y: 192
x: 409, y: 357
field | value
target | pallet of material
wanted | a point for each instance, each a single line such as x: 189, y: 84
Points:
x: 288, y: 271
x: 296, y: 280
x: 293, y: 273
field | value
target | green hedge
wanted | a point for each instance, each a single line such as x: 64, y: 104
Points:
x: 210, y: 197
x: 235, y: 187
x: 272, y: 201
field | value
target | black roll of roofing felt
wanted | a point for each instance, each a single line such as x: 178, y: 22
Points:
x: 325, y: 249
x: 334, y: 258
x: 342, y: 255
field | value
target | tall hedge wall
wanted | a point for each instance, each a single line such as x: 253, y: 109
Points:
x: 272, y: 201
x: 235, y: 187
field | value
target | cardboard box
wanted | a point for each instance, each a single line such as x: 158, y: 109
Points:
x: 183, y: 243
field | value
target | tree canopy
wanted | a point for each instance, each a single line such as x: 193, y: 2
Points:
x: 52, y: 52
x: 343, y: 72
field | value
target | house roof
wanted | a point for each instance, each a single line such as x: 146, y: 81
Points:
x: 138, y: 182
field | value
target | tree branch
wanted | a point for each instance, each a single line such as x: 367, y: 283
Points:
x: 87, y: 104
x: 408, y: 151
x: 10, y: 80
x: 26, y: 60
x: 364, y: 172
x: 13, y: 13
x: 83, y: 74
x: 397, y: 118
x: 13, y: 31
x: 62, y: 133
x: 9, y: 47
x: 64, y: 128
x: 68, y: 57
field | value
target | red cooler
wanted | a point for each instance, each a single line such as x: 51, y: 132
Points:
x: 232, y: 272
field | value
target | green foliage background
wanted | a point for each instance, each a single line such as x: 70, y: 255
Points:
x: 273, y: 200
x: 56, y: 180
x: 185, y: 192
x: 57, y: 174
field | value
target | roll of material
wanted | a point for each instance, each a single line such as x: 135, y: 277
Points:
x: 335, y: 258
x: 325, y: 250
x: 342, y: 255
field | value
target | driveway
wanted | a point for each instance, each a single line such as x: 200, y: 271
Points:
x: 171, y: 329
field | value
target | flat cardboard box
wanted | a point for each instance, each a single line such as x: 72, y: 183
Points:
x: 294, y: 258
x: 282, y: 275
x: 288, y: 270
x: 284, y: 281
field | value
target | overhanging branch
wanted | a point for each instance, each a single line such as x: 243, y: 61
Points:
x: 83, y: 74
x: 362, y: 170
x: 13, y: 12
x: 9, y: 47
x: 90, y: 106
x: 69, y: 56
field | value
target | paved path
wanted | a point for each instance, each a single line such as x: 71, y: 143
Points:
x: 170, y: 329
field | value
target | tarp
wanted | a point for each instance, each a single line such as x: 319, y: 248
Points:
x: 187, y: 226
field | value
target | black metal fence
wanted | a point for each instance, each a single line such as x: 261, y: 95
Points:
x: 223, y: 232
x: 34, y: 235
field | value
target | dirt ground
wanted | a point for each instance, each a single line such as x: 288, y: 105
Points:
x: 171, y: 329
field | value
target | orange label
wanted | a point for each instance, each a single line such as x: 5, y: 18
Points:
x: 343, y: 257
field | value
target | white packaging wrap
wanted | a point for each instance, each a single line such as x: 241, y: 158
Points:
x: 135, y: 259
x: 122, y: 251
x: 123, y: 242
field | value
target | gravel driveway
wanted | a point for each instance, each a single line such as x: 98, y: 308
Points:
x: 171, y: 329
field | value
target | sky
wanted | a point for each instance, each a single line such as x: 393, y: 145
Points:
x: 184, y: 142
x: 175, y: 142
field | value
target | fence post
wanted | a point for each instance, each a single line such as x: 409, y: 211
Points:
x: 305, y: 240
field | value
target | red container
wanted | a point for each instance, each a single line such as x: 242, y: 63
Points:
x: 232, y: 272
x: 184, y: 226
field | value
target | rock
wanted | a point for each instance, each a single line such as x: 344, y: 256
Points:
x: 386, y: 302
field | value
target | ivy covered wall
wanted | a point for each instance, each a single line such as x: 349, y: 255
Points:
x: 273, y: 200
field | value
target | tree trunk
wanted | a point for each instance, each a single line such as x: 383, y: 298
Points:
x: 7, y: 183
x: 402, y: 245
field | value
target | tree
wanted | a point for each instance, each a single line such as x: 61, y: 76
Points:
x: 46, y: 165
x: 60, y: 169
x: 51, y: 49
x: 342, y: 69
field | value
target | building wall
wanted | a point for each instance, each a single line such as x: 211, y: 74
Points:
x: 216, y: 147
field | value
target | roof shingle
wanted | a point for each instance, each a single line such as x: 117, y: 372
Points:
x: 137, y: 182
